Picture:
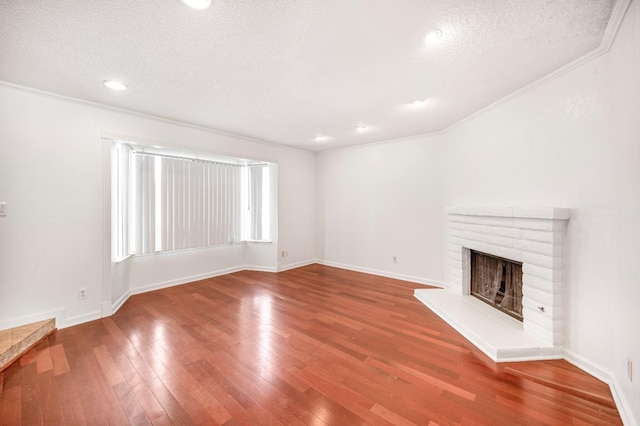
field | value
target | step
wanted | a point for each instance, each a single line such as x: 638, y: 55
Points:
x: 14, y: 342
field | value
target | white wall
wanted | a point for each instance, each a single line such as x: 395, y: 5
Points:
x: 297, y: 213
x: 622, y: 87
x: 571, y: 142
x: 51, y: 174
x: 382, y: 201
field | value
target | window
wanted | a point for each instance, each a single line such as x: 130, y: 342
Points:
x: 164, y: 202
x: 258, y: 205
x: 120, y: 176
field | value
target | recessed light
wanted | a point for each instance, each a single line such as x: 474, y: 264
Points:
x: 430, y: 37
x: 320, y: 138
x: 197, y: 4
x: 361, y: 128
x: 418, y: 103
x: 115, y: 85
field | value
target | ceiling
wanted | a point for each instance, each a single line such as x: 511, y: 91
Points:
x: 287, y: 71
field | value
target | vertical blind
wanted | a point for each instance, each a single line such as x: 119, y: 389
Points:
x: 120, y: 200
x: 185, y: 203
x: 166, y: 203
x: 258, y: 202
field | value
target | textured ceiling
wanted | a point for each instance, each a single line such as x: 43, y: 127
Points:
x: 285, y: 71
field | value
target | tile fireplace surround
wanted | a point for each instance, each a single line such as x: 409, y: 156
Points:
x: 533, y: 236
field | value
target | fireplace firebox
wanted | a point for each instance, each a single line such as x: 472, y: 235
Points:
x: 497, y: 282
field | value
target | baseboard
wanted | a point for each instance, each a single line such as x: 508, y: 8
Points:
x: 170, y: 283
x: 386, y: 274
x: 260, y: 268
x: 118, y: 303
x: 588, y: 366
x: 59, y: 314
x: 283, y: 268
x: 106, y: 309
x: 79, y: 319
x: 622, y: 404
x: 184, y: 280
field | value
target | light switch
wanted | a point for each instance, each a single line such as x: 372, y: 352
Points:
x: 3, y: 208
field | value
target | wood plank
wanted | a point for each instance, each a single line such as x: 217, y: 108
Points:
x: 11, y: 405
x: 43, y: 358
x: 310, y: 346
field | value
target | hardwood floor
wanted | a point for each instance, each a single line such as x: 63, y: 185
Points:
x: 310, y: 346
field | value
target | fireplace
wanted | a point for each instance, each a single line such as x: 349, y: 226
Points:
x: 497, y: 282
x: 533, y: 239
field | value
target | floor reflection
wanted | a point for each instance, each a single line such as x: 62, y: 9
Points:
x: 258, y: 311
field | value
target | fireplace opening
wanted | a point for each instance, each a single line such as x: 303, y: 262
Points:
x: 497, y: 282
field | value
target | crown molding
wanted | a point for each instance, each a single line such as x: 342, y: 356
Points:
x: 161, y: 119
x: 613, y: 26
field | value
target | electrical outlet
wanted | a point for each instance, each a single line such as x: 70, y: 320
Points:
x: 395, y: 259
x: 630, y: 369
x: 285, y: 253
x: 3, y: 208
x: 82, y: 293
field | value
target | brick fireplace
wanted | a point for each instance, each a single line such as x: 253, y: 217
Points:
x: 533, y: 237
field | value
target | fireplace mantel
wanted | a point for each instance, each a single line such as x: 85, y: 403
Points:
x: 532, y: 236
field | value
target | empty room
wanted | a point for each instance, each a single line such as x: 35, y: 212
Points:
x: 300, y: 212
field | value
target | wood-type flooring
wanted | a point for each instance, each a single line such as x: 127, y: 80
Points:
x: 310, y: 346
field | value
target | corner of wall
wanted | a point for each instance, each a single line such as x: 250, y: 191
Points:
x: 622, y: 403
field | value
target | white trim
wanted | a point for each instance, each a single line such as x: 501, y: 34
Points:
x: 289, y: 266
x: 257, y: 268
x: 106, y: 228
x: 118, y: 303
x: 106, y: 309
x: 622, y: 404
x: 184, y: 280
x: 59, y: 314
x: 387, y: 141
x: 386, y: 274
x: 588, y: 366
x: 615, y: 22
x: 79, y: 319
